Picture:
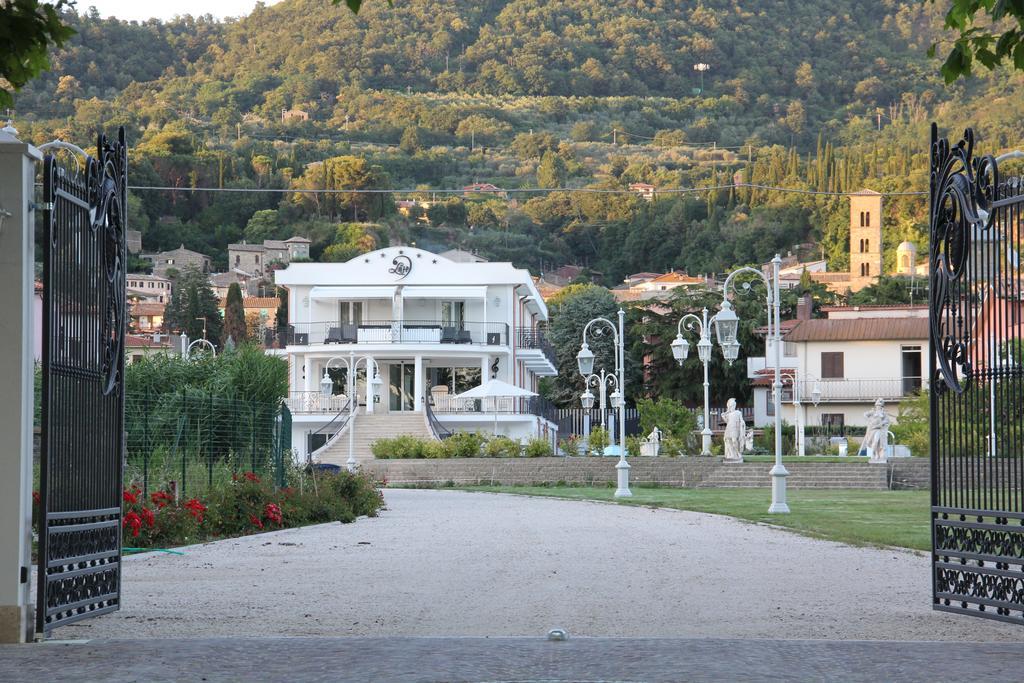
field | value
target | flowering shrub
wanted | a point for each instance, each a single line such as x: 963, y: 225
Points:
x: 245, y: 505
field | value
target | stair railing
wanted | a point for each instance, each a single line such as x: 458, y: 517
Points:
x: 341, y: 421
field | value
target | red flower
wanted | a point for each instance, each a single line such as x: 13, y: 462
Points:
x: 161, y: 498
x: 134, y: 521
x: 36, y: 498
x: 273, y: 513
x: 251, y: 476
x: 130, y: 497
x: 148, y: 517
x: 195, y: 508
x: 256, y: 521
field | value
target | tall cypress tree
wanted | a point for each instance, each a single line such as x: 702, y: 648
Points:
x: 234, y: 315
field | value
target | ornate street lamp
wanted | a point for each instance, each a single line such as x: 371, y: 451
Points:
x: 727, y: 324
x: 681, y: 349
x: 585, y: 361
x: 375, y: 382
x: 587, y: 399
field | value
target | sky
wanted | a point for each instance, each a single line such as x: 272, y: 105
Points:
x: 166, y: 9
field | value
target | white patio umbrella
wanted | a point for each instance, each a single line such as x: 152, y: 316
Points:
x: 495, y: 388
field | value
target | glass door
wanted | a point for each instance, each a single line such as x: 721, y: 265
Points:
x: 401, y: 387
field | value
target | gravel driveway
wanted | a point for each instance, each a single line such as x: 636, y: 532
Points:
x: 449, y: 563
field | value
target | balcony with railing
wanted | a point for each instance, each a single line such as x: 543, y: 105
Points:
x: 534, y: 338
x: 499, y: 405
x: 854, y: 390
x: 314, y: 402
x: 394, y: 332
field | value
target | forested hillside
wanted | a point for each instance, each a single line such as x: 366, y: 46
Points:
x: 525, y: 94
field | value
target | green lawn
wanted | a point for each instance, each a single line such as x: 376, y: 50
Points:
x: 898, y: 518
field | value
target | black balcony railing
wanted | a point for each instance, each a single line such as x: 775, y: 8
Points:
x: 534, y: 338
x: 394, y: 332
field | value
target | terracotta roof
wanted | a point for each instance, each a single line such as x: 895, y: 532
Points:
x: 148, y: 309
x: 673, y: 276
x: 245, y: 247
x: 766, y: 377
x: 859, y: 329
x: 255, y: 302
x: 132, y: 340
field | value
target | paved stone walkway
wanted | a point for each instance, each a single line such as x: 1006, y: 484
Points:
x: 508, y: 659
x: 450, y: 563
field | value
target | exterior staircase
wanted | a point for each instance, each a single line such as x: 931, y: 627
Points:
x: 370, y: 427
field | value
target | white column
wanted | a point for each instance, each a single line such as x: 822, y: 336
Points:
x: 369, y: 384
x: 418, y: 384
x: 485, y: 369
x: 17, y: 292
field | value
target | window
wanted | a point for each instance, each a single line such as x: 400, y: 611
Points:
x: 350, y: 312
x: 832, y: 365
x: 789, y: 349
x: 453, y: 313
x: 238, y: 259
x: 833, y: 422
x: 862, y: 219
x: 867, y: 219
x: 867, y: 245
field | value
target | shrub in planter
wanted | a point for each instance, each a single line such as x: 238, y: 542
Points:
x: 538, y: 448
x: 434, y: 449
x: 502, y: 447
x: 398, y: 448
x: 464, y: 445
x: 598, y: 441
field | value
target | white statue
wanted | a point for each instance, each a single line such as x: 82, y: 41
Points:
x: 735, y: 432
x: 652, y: 444
x: 876, y: 435
x: 748, y: 444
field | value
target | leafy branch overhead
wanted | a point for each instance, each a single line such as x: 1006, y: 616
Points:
x: 27, y: 30
x: 990, y: 32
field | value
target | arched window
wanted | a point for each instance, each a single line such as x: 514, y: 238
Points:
x: 867, y: 219
x: 867, y: 245
x: 862, y: 219
x: 906, y: 260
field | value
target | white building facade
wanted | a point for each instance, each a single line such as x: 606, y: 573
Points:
x: 432, y: 327
x: 851, y: 358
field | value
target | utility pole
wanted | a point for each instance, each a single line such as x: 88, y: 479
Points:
x: 615, y: 137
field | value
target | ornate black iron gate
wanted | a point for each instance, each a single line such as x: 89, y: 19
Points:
x: 83, y: 395
x: 977, y: 398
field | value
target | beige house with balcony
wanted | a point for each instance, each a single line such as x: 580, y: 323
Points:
x: 854, y: 356
x: 433, y: 326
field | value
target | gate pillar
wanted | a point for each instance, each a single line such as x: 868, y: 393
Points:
x: 17, y: 295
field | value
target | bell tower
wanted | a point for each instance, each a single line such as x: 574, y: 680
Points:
x: 865, y: 238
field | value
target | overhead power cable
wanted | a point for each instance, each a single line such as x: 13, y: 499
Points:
x: 515, y: 190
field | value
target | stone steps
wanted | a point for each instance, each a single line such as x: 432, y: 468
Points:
x: 369, y: 427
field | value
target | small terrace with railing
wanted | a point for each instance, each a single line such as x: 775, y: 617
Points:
x: 395, y: 332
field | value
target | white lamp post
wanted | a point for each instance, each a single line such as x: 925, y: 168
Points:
x: 601, y: 381
x: 327, y: 390
x: 727, y: 326
x: 585, y: 361
x: 200, y: 342
x: 680, y: 351
x: 798, y: 415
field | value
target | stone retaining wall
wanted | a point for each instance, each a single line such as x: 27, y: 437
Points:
x: 679, y: 472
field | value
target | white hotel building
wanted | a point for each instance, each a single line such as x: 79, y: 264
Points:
x: 434, y: 327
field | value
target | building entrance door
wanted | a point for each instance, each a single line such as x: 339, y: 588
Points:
x: 401, y: 383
